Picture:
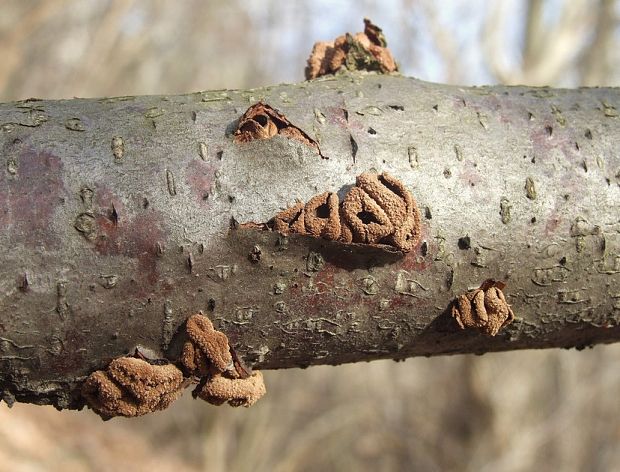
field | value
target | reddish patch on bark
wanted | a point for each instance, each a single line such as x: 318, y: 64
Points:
x: 200, y: 177
x: 337, y: 116
x: 120, y: 233
x: 135, y: 239
x: 31, y: 198
x: 552, y: 223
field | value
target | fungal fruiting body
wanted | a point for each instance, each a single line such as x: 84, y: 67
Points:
x: 135, y: 386
x: 261, y: 121
x: 132, y: 387
x: 361, y: 51
x: 223, y: 377
x: 484, y: 309
x: 222, y: 388
x: 207, y: 349
x: 379, y: 211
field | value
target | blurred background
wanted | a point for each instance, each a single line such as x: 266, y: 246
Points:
x: 537, y: 410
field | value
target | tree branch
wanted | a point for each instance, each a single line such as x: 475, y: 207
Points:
x: 116, y: 225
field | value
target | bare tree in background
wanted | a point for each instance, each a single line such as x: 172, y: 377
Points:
x: 522, y: 420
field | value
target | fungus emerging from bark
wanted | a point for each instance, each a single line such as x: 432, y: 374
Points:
x: 223, y: 376
x: 261, y: 121
x: 484, y: 309
x: 132, y: 387
x: 378, y: 211
x: 362, y: 51
x: 207, y: 349
x: 224, y: 388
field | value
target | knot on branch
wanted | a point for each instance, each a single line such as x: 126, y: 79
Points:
x: 361, y: 51
x: 379, y: 210
x: 484, y: 309
x: 132, y: 387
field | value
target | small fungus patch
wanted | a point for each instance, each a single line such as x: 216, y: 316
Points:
x: 378, y: 210
x: 261, y: 121
x: 484, y: 309
x: 224, y: 388
x: 361, y: 51
x: 132, y: 387
x: 224, y: 378
x: 207, y: 349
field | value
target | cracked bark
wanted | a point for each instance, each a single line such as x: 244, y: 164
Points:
x: 116, y: 225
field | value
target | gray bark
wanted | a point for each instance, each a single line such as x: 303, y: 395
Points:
x: 116, y: 225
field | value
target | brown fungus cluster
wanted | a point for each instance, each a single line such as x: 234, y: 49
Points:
x: 361, y: 51
x: 223, y: 377
x: 378, y: 210
x: 207, y: 349
x: 484, y: 309
x: 132, y: 387
x: 262, y: 121
x: 135, y: 386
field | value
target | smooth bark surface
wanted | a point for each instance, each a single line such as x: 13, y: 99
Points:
x: 119, y: 219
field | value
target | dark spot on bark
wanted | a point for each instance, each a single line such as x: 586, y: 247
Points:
x: 563, y: 261
x: 114, y: 215
x: 588, y: 134
x: 354, y: 147
x: 23, y: 284
x: 427, y: 213
x: 233, y: 223
x: 255, y: 254
x: 549, y: 130
x: 397, y: 107
x: 424, y: 248
x: 211, y: 304
x: 231, y: 199
x: 145, y: 203
x: 447, y: 173
x: 533, y: 220
x: 464, y: 242
x: 371, y: 131
x: 436, y: 107
x: 220, y: 155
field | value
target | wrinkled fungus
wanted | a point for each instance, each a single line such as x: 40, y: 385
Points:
x: 207, y: 349
x: 361, y: 51
x: 484, y: 309
x: 132, y: 387
x: 223, y: 388
x: 261, y: 121
x: 224, y: 378
x: 379, y: 210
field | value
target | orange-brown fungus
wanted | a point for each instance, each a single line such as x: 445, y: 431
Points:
x: 362, y: 51
x: 222, y: 388
x: 132, y: 387
x: 484, y: 309
x: 261, y: 121
x: 321, y: 217
x: 379, y: 210
x: 207, y: 349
